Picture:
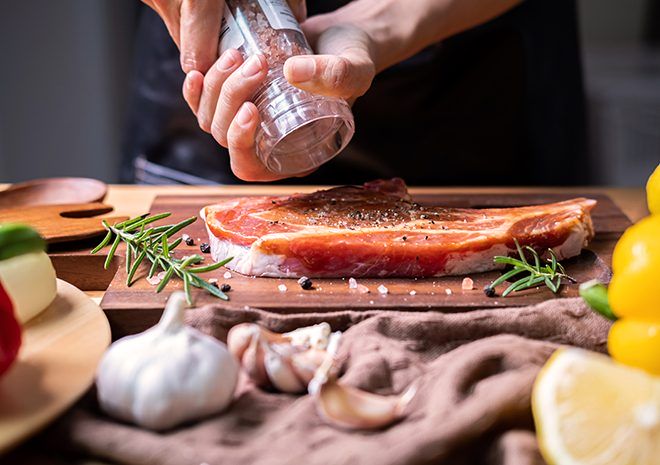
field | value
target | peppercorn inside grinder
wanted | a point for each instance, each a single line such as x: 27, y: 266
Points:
x: 299, y: 130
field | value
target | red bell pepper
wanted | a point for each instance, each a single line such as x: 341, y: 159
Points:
x: 10, y: 332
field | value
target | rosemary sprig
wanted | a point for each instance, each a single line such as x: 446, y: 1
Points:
x: 154, y: 245
x: 550, y: 273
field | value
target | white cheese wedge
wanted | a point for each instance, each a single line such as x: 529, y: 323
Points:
x: 30, y: 282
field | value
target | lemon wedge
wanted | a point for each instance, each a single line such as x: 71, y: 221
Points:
x: 589, y: 410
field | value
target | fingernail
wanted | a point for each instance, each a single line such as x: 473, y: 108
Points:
x: 188, y: 81
x: 252, y: 66
x: 244, y: 116
x: 302, y: 69
x: 226, y: 61
x: 188, y: 62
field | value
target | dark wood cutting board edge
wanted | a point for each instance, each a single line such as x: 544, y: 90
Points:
x: 134, y: 309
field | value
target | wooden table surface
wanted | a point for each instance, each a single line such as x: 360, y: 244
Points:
x: 135, y: 200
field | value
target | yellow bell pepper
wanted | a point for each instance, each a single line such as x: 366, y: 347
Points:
x: 636, y: 343
x: 634, y: 291
x: 653, y: 191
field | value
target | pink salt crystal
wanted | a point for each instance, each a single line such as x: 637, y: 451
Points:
x: 362, y: 289
x: 352, y: 283
x: 467, y: 284
x: 156, y: 279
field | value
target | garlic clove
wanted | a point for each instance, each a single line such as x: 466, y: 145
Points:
x: 253, y: 362
x: 351, y: 408
x: 281, y: 374
x: 240, y: 337
x: 315, y: 336
x: 306, y: 363
x: 285, y: 361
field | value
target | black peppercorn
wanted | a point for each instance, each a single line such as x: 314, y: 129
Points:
x: 404, y: 238
x: 489, y: 291
x: 225, y: 287
x: 189, y: 241
x: 305, y: 283
x: 205, y: 247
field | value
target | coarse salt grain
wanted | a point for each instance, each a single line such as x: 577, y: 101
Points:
x: 156, y: 279
x: 448, y: 291
x: 383, y: 290
x: 185, y: 237
x: 227, y: 275
x: 282, y: 288
x: 352, y: 283
x: 467, y: 284
x: 362, y: 289
x: 413, y: 293
x: 213, y: 280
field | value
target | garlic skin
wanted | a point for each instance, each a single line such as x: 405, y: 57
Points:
x: 167, y: 375
x: 287, y: 361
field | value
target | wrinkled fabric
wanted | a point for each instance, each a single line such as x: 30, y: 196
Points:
x: 474, y: 373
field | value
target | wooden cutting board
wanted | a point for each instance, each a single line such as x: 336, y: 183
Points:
x: 132, y: 309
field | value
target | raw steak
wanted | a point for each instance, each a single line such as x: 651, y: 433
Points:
x: 376, y: 230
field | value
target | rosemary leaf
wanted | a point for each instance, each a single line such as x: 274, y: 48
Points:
x: 103, y: 243
x: 129, y: 251
x: 166, y: 279
x: 152, y: 270
x: 136, y: 265
x: 550, y: 274
x: 214, y: 266
x: 113, y: 249
x: 200, y: 282
x: 153, y: 244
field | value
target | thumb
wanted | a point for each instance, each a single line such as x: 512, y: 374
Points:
x: 345, y: 69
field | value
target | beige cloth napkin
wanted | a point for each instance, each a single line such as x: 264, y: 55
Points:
x: 474, y: 372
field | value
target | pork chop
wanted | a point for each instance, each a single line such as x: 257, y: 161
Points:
x: 376, y: 230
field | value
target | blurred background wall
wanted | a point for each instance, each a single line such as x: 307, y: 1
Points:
x: 66, y: 67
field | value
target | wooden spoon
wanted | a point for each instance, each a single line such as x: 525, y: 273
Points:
x: 51, y: 191
x: 62, y: 223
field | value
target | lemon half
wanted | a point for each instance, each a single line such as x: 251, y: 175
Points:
x: 590, y: 410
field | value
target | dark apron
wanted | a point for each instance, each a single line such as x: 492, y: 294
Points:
x: 501, y: 104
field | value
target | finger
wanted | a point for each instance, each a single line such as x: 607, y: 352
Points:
x: 242, y: 151
x: 199, y: 33
x: 331, y: 75
x: 299, y: 9
x: 192, y: 89
x: 168, y: 10
x: 238, y: 88
x: 213, y: 82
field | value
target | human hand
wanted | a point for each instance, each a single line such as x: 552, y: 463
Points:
x: 195, y: 28
x: 220, y: 99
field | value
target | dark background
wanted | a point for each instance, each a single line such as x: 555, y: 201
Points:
x: 66, y: 67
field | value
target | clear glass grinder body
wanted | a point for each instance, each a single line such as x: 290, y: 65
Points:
x: 299, y: 130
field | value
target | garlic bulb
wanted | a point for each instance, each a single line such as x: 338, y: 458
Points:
x: 167, y: 375
x: 284, y: 361
x: 351, y: 408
